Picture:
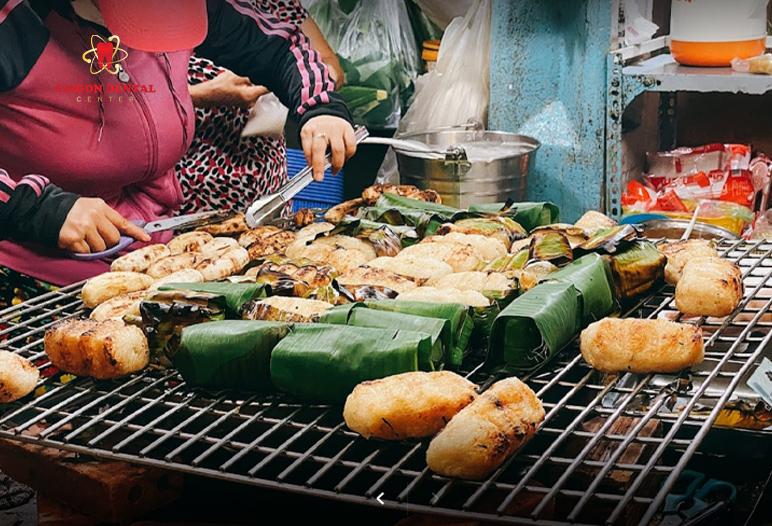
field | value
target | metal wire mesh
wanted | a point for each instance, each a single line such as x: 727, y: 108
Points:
x: 609, y: 451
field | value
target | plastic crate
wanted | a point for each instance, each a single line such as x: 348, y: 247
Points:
x: 324, y: 194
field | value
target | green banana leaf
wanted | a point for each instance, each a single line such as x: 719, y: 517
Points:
x: 483, y: 319
x: 550, y: 246
x: 591, y: 276
x: 637, y: 269
x: 535, y: 327
x: 388, y: 240
x: 389, y: 200
x: 528, y: 215
x: 609, y: 240
x: 461, y: 322
x: 165, y: 313
x: 229, y: 354
x: 508, y: 263
x: 358, y: 315
x: 236, y: 294
x: 325, y: 362
x: 424, y: 223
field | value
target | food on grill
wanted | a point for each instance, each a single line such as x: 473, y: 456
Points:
x: 304, y: 217
x: 419, y: 270
x: 218, y: 246
x: 408, y: 405
x: 457, y: 314
x: 275, y: 243
x: 487, y: 248
x: 608, y: 240
x: 236, y: 295
x: 279, y: 308
x: 119, y: 306
x: 165, y: 313
x: 167, y: 266
x: 502, y: 228
x: 552, y: 247
x: 591, y: 276
x: 637, y: 269
x: 575, y: 235
x: 231, y: 227
x: 229, y: 354
x: 472, y: 298
x: 106, y: 286
x: 311, y: 231
x: 336, y: 214
x: 377, y: 277
x: 315, y: 276
x: 181, y: 276
x: 475, y: 280
x: 371, y: 194
x: 99, y: 349
x: 534, y: 272
x: 223, y: 265
x: 251, y: 236
x: 617, y: 345
x: 593, y: 220
x: 139, y: 260
x: 358, y: 315
x: 326, y: 362
x: 341, y: 252
x: 486, y: 432
x: 679, y: 253
x: 189, y: 242
x: 18, y: 377
x: 709, y: 287
x: 510, y: 265
x: 461, y: 258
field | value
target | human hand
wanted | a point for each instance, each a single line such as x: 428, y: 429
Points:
x: 226, y: 89
x: 323, y: 131
x: 93, y: 226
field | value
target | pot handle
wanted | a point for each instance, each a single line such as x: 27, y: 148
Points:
x: 473, y: 124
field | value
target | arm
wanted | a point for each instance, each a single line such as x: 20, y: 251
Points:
x: 329, y: 57
x: 227, y: 89
x: 257, y: 45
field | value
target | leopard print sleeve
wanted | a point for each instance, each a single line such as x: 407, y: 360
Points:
x: 289, y: 11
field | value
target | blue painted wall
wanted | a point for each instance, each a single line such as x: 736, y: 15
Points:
x: 548, y: 80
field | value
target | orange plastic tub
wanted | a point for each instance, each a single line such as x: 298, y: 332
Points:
x: 715, y: 54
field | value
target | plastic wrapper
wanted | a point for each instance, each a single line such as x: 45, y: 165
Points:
x: 761, y: 65
x: 680, y: 162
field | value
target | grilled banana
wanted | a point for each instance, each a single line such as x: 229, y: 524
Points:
x: 106, y: 286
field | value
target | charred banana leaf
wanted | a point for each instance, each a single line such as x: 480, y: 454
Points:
x: 528, y: 215
x: 609, y: 240
x: 637, y: 269
x: 388, y: 240
x: 236, y: 294
x: 550, y: 246
x: 509, y: 264
x: 504, y: 229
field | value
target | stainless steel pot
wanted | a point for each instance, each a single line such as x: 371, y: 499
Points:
x: 461, y: 177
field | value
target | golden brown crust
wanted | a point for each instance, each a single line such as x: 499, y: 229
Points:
x: 140, y: 259
x: 275, y: 243
x: 409, y: 405
x: 615, y: 345
x: 189, y: 242
x: 219, y: 246
x: 106, y: 286
x: 709, y: 287
x: 679, y: 253
x: 18, y: 377
x: 106, y: 349
x: 183, y: 261
x: 119, y: 306
x: 304, y: 217
x: 336, y: 214
x: 486, y: 432
x: 231, y: 227
x: 256, y: 234
x: 377, y: 277
x: 371, y: 194
x: 224, y: 265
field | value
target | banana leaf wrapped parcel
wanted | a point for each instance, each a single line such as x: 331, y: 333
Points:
x: 527, y: 215
x: 236, y: 295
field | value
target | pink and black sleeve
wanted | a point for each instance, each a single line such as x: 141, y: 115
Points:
x: 32, y: 209
x: 256, y: 44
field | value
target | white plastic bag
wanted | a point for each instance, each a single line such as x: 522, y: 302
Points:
x: 267, y: 118
x: 458, y: 88
x: 441, y: 12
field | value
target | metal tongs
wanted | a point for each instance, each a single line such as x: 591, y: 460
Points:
x: 269, y: 207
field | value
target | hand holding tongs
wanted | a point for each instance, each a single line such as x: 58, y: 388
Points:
x: 174, y: 223
x: 266, y: 207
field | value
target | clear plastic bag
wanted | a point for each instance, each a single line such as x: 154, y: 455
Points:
x: 459, y: 87
x: 442, y: 12
x: 267, y: 118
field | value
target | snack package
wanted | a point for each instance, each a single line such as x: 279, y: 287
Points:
x: 686, y: 161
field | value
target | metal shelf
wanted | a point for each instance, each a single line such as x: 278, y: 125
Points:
x: 663, y: 73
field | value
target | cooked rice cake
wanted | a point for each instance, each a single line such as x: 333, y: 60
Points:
x: 479, y: 281
x: 679, y: 253
x: 709, y: 287
x: 472, y: 298
x: 286, y: 309
x: 376, y: 277
x: 419, y: 270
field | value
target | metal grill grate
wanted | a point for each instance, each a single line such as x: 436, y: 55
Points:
x: 154, y: 419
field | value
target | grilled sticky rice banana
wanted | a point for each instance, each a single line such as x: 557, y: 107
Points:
x: 286, y: 309
x: 376, y: 277
x: 486, y: 432
x: 472, y: 298
x: 487, y: 248
x: 276, y: 243
x: 709, y: 287
x: 532, y: 274
x: 18, y: 377
x: 336, y: 214
x: 341, y: 252
x: 224, y: 265
x: 185, y: 260
x: 461, y: 258
x: 189, y: 242
x: 140, y: 259
x: 593, y: 220
x: 119, y: 306
x: 231, y: 227
x: 419, y: 270
x: 250, y: 236
x: 218, y: 245
x: 371, y: 194
x: 679, y: 253
x: 99, y: 349
x: 181, y: 276
x: 408, y: 405
x: 106, y: 286
x: 479, y: 281
x: 614, y: 345
x: 311, y: 231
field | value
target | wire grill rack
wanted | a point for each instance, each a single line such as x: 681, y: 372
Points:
x: 559, y: 477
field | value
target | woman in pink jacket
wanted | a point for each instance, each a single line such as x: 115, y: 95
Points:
x: 91, y: 125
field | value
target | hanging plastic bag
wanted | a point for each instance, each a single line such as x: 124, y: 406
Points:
x: 267, y: 118
x: 458, y: 89
x: 442, y: 12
